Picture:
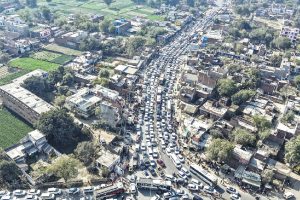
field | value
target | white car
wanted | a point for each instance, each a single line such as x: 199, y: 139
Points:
x: 181, y: 158
x: 288, y: 195
x: 31, y: 196
x: 193, y: 187
x: 132, y: 187
x: 19, y: 193
x: 54, y: 191
x: 34, y: 192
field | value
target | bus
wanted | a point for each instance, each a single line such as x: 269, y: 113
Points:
x: 110, y: 191
x: 204, y: 175
x: 176, y: 161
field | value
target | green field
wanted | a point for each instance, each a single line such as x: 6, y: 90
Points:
x: 12, y: 129
x: 32, y: 64
x: 52, y: 57
x: 118, y: 8
x: 63, y: 50
x: 8, y: 78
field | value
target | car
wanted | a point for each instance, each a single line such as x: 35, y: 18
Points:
x: 88, y: 190
x: 288, y: 195
x: 208, y: 189
x: 181, y: 158
x: 161, y: 163
x: 167, y: 195
x: 152, y: 171
x: 19, y: 193
x: 47, y: 196
x: 34, y: 192
x: 231, y: 190
x: 31, y: 196
x: 54, y: 191
x: 193, y: 187
x: 73, y: 191
x: 5, y: 197
x: 146, y: 173
x: 2, y: 193
x: 235, y: 197
x: 133, y: 188
x: 185, y: 197
x: 179, y: 192
x: 197, y: 197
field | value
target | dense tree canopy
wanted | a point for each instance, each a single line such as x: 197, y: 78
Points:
x: 59, y: 128
x: 37, y: 85
x: 243, y: 137
x: 242, y: 96
x: 226, y: 87
x: 64, y: 167
x: 219, y: 150
x: 85, y: 152
x: 261, y: 123
x: 292, y: 151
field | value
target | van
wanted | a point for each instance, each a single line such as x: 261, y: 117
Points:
x: 47, y: 195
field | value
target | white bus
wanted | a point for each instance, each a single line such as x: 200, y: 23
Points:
x: 204, y: 175
x: 176, y: 161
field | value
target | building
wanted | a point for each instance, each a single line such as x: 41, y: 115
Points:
x: 13, y: 23
x: 23, y: 102
x: 83, y: 103
x: 121, y: 25
x: 108, y: 160
x: 71, y: 39
x: 31, y: 145
x: 291, y: 33
x: 213, y: 110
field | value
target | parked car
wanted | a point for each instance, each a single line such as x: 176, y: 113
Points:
x: 161, y: 163
x: 235, y: 197
x: 47, y: 196
x: 34, y: 192
x: 54, y: 191
x: 73, y: 191
x: 19, y: 193
x: 231, y: 190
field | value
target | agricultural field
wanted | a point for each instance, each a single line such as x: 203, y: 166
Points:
x: 13, y: 75
x: 63, y: 50
x: 31, y: 64
x: 52, y: 57
x: 12, y: 129
x: 118, y: 8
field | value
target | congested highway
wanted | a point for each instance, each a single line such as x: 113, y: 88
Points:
x: 159, y: 151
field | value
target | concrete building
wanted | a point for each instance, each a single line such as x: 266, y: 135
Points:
x: 23, y: 102
x: 108, y: 160
x: 291, y: 33
x: 121, y: 25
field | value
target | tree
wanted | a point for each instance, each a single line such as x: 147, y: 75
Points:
x: 104, y: 73
x: 282, y: 43
x: 59, y: 128
x: 104, y: 26
x: 243, y: 137
x: 267, y: 176
x: 60, y: 100
x: 297, y: 81
x: 261, y: 123
x: 85, y: 152
x: 4, y: 57
x: 134, y: 44
x: 292, y: 151
x: 242, y: 96
x: 264, y: 134
x: 190, y: 3
x: 234, y: 67
x: 276, y: 60
x: 31, y: 3
x: 64, y: 167
x: 68, y: 79
x: 226, y: 87
x: 37, y: 85
x: 288, y: 117
x: 219, y: 150
x: 9, y: 171
x: 46, y: 13
x: 107, y: 2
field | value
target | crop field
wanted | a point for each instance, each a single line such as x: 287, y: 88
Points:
x: 52, y: 57
x: 63, y: 50
x: 31, y: 64
x: 118, y: 8
x: 12, y: 129
x: 11, y: 76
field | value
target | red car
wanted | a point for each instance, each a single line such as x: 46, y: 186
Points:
x: 161, y: 163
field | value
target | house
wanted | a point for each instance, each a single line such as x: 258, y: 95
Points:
x: 83, y: 103
x: 20, y: 46
x: 14, y: 23
x: 71, y: 39
x: 248, y: 178
x: 213, y: 110
x: 281, y: 171
x: 108, y: 160
x: 23, y: 102
x: 34, y: 144
x: 121, y: 25
x: 291, y: 33
x: 241, y: 155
